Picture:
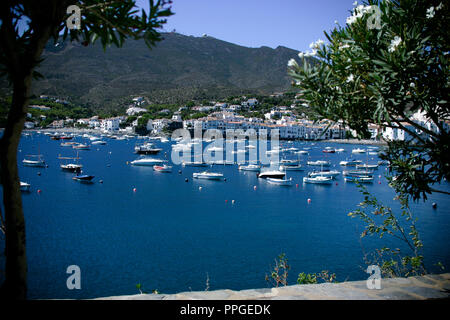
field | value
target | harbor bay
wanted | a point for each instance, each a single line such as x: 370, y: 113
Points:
x: 170, y: 232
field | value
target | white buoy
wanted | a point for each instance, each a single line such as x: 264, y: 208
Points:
x: 232, y: 201
x: 200, y: 188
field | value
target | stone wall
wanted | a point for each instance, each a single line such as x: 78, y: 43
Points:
x: 412, y: 288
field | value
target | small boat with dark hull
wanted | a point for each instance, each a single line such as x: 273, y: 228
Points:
x: 146, y: 149
x: 83, y: 178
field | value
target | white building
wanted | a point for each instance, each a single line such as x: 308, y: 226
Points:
x: 110, y: 125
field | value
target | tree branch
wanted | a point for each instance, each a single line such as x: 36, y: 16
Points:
x: 439, y: 191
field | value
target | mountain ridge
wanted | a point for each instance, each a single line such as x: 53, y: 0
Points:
x: 179, y: 68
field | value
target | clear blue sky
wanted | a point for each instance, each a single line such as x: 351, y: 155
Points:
x: 255, y: 23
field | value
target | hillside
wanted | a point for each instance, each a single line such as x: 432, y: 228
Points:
x: 178, y: 69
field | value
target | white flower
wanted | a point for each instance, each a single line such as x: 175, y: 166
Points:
x: 336, y: 22
x: 350, y: 78
x: 301, y: 55
x: 430, y: 13
x: 313, y: 53
x: 317, y: 44
x: 350, y: 20
x: 357, y: 13
x: 412, y: 85
x: 344, y: 46
x: 394, y: 44
x: 439, y: 7
x: 292, y: 63
x: 355, y: 3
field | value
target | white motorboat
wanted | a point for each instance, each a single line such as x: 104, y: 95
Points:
x: 357, y: 173
x: 163, y: 168
x: 146, y: 148
x: 291, y: 168
x: 367, y: 166
x: 194, y: 164
x: 280, y: 182
x: 277, y: 174
x: 24, y: 186
x: 340, y: 150
x: 350, y: 163
x: 250, y: 167
x: 286, y: 162
x: 208, y: 175
x: 147, y: 162
x: 301, y: 152
x: 81, y: 146
x: 68, y: 144
x: 98, y: 142
x: 325, y: 173
x: 221, y: 162
x: 318, y: 180
x: 319, y: 163
x: 358, y: 150
x: 360, y: 179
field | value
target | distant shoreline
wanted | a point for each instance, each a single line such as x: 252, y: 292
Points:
x: 356, y: 141
x: 343, y: 141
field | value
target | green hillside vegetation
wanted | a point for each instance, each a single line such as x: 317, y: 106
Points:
x: 181, y: 68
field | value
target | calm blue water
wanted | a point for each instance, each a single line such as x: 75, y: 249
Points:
x: 170, y: 236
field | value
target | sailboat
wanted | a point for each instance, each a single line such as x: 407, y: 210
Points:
x: 320, y: 177
x: 34, y: 161
x: 71, y: 167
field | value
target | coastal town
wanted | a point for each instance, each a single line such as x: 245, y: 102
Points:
x: 291, y: 123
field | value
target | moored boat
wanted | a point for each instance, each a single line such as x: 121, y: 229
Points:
x: 83, y: 178
x: 280, y: 182
x: 318, y: 180
x: 81, y: 146
x: 163, y: 168
x: 34, y: 161
x: 277, y: 174
x: 146, y: 162
x: 361, y: 179
x: 250, y: 167
x: 358, y: 150
x: 319, y: 163
x: 194, y: 164
x: 146, y: 148
x: 324, y: 173
x: 350, y: 163
x: 24, y: 186
x: 71, y: 167
x: 367, y: 166
x: 291, y: 168
x: 208, y: 175
x: 328, y: 150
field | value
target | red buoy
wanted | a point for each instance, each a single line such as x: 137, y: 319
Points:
x: 309, y: 200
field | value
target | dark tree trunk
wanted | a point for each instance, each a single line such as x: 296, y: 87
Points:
x: 15, y: 285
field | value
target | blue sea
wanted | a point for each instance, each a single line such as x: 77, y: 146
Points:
x: 155, y: 229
